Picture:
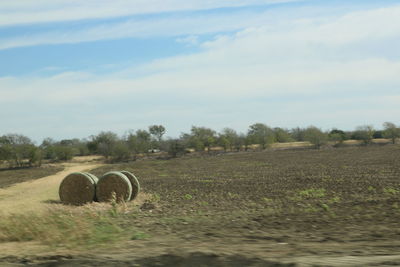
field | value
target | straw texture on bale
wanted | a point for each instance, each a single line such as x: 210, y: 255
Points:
x: 134, y: 182
x: 113, y: 183
x: 95, y: 179
x: 77, y: 188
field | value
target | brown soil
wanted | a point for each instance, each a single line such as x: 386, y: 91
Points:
x: 335, y: 207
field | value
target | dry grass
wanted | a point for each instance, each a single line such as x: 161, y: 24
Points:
x: 58, y: 225
x: 90, y: 158
x: 291, y: 145
x: 37, y: 195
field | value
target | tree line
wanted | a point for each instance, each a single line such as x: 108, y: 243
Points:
x: 19, y: 150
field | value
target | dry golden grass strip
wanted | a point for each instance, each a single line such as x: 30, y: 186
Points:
x: 113, y: 185
x: 77, y: 188
x: 134, y: 182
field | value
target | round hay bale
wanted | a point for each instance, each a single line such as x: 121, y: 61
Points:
x: 134, y: 182
x: 95, y: 179
x: 113, y: 183
x: 77, y: 188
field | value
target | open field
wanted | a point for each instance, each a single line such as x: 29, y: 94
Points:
x: 35, y: 195
x: 333, y: 207
x: 9, y: 177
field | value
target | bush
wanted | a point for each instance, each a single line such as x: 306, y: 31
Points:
x: 176, y: 148
x: 315, y: 136
x: 63, y: 152
x: 120, y: 152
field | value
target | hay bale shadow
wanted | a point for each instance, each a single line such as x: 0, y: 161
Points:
x: 52, y: 201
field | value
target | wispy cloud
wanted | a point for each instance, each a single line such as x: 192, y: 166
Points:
x: 42, y: 11
x: 164, y: 26
x: 356, y: 26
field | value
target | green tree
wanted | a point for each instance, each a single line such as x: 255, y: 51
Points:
x: 364, y: 133
x: 35, y: 156
x: 5, y: 149
x: 63, y: 152
x: 282, y: 135
x: 261, y: 134
x: 337, y: 136
x: 176, y: 147
x: 121, y: 152
x: 315, y: 136
x: 139, y: 142
x: 298, y: 134
x: 48, y: 151
x: 59, y: 150
x: 16, y: 148
x: 391, y: 131
x: 228, y: 138
x: 240, y: 142
x: 157, y: 131
x: 104, y: 143
x: 202, y: 137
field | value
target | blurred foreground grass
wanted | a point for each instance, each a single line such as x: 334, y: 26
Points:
x: 70, y: 227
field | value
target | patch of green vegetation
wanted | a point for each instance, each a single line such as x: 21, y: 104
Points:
x: 139, y: 236
x: 155, y: 198
x: 188, y: 196
x: 325, y: 207
x: 317, y: 208
x: 334, y: 200
x: 371, y: 189
x: 313, y: 193
x: 203, y: 203
x: 267, y: 200
x: 233, y: 195
x: 391, y: 191
x: 311, y: 209
x: 206, y: 181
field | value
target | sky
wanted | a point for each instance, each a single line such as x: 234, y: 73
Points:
x: 72, y: 68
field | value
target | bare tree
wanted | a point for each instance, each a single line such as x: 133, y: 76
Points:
x: 364, y: 133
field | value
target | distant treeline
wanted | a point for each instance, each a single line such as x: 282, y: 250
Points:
x: 18, y: 150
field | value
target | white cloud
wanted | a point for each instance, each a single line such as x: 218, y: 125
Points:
x: 258, y: 61
x: 170, y: 26
x: 249, y: 76
x: 188, y: 40
x: 275, y: 29
x: 42, y: 11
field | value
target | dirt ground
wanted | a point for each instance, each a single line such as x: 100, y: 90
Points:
x: 334, y: 207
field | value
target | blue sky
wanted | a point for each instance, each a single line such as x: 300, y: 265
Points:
x: 71, y: 68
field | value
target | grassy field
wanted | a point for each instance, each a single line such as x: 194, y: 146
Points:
x: 302, y: 206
